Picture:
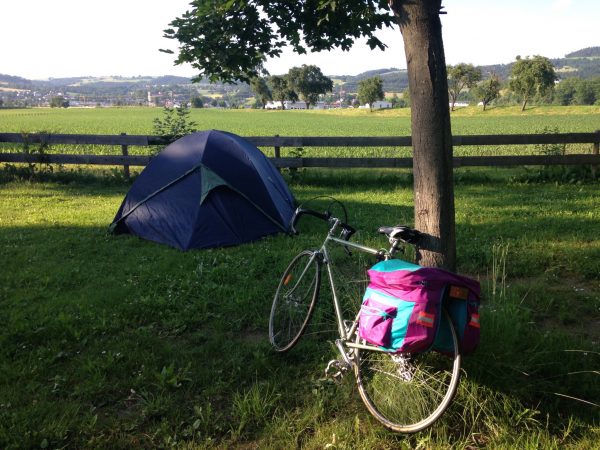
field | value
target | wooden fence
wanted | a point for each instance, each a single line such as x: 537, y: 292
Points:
x: 277, y: 142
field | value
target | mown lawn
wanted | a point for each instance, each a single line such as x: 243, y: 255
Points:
x: 115, y: 342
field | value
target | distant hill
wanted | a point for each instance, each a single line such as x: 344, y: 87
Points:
x: 584, y: 63
x: 590, y: 52
x: 394, y: 80
x: 15, y: 82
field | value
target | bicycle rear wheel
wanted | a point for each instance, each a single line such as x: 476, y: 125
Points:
x: 407, y: 393
x: 294, y: 300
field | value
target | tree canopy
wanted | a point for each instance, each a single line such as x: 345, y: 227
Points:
x: 197, y: 102
x: 59, y: 102
x: 281, y: 89
x: 370, y: 90
x: 488, y: 90
x: 531, y: 77
x: 460, y: 77
x: 230, y: 41
x: 261, y: 90
x: 309, y: 82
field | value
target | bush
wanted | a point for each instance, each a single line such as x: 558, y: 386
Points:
x: 174, y: 124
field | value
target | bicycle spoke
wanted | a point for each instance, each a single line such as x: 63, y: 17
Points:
x: 407, y: 394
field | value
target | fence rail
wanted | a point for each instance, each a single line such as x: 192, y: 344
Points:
x: 307, y: 141
x: 277, y: 142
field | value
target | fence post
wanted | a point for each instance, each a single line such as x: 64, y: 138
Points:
x: 277, y: 149
x: 277, y: 152
x: 125, y: 151
x: 596, y: 151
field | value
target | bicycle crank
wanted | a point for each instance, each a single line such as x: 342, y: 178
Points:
x: 336, y: 369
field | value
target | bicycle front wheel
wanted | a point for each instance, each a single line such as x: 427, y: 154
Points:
x: 407, y: 393
x: 294, y: 300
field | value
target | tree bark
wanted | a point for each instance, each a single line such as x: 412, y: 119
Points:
x: 421, y: 29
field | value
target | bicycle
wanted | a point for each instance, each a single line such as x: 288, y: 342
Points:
x: 405, y: 392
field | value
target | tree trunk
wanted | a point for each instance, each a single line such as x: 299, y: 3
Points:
x: 431, y: 133
x: 523, y: 105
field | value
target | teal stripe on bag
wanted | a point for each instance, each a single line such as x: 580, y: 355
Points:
x: 380, y: 297
x: 392, y: 265
x: 404, y: 310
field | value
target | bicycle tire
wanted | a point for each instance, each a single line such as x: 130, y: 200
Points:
x: 294, y: 302
x: 408, y: 394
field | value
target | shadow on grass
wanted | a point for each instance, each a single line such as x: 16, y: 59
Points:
x: 137, y: 342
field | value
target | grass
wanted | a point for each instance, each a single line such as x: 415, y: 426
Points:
x: 115, y: 342
x: 346, y: 122
x: 355, y: 122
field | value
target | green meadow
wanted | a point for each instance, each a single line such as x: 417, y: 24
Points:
x: 342, y: 122
x: 348, y: 122
x: 345, y: 122
x: 115, y: 342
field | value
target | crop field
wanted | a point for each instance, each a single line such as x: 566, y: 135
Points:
x: 345, y: 122
x: 119, y: 343
x: 500, y: 120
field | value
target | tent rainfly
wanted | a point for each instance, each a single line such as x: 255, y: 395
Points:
x: 207, y: 189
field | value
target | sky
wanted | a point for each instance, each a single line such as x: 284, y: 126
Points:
x: 42, y: 39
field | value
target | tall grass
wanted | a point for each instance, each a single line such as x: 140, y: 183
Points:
x: 498, y: 275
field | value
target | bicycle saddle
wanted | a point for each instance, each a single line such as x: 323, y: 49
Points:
x: 402, y: 233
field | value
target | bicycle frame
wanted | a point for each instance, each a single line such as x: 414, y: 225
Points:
x: 344, y: 332
x: 385, y: 379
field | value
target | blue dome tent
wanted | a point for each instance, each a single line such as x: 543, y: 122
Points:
x: 207, y: 189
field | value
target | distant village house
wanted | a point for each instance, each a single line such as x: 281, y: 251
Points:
x: 380, y: 104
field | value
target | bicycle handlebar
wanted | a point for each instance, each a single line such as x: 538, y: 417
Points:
x: 326, y: 216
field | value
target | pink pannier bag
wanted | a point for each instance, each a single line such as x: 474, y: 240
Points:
x: 401, y: 310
